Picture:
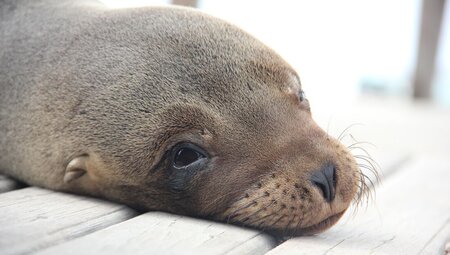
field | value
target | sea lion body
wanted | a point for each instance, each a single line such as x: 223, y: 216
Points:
x: 95, y: 101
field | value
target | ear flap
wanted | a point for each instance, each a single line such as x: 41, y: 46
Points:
x: 76, y: 168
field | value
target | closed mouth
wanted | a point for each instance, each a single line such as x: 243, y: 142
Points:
x: 310, y: 230
x: 321, y: 226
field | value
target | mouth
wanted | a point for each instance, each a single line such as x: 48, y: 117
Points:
x: 321, y: 226
x: 309, y: 230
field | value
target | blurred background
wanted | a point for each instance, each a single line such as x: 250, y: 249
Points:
x: 381, y: 67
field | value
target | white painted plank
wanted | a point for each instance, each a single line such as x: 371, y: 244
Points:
x: 162, y: 233
x: 386, y: 164
x: 436, y: 243
x: 410, y: 216
x: 389, y: 163
x: 32, y: 218
x: 7, y: 184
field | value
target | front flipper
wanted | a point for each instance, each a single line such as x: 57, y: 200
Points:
x: 76, y: 168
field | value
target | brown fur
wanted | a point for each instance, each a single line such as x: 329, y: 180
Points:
x: 119, y: 88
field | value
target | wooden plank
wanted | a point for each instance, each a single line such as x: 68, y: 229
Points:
x: 386, y: 164
x: 162, y: 233
x: 436, y: 244
x: 389, y: 163
x: 32, y: 218
x: 7, y: 184
x: 410, y: 216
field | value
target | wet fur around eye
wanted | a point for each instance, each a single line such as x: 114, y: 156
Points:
x: 180, y: 176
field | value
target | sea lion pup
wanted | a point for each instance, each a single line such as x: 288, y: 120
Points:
x: 164, y: 109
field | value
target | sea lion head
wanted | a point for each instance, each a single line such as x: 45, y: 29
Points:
x: 207, y: 121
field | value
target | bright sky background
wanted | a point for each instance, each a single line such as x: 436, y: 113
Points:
x: 337, y: 46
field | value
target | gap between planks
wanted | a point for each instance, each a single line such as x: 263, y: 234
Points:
x: 162, y: 233
x: 33, y: 218
x: 50, y: 221
x: 48, y: 236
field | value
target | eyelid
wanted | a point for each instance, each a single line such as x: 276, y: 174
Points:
x: 191, y: 146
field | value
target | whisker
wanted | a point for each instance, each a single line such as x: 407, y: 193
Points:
x: 375, y: 164
x: 366, y: 166
x: 261, y: 218
x: 296, y: 225
x: 261, y: 209
x: 346, y: 129
x: 372, y: 185
x: 282, y: 216
x: 355, y: 148
x: 361, y: 142
x: 348, y: 135
x: 235, y: 212
x: 362, y: 190
x: 367, y: 189
x: 352, y: 137
x: 287, y: 225
x: 371, y: 168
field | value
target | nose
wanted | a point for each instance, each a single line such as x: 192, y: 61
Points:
x: 325, y: 180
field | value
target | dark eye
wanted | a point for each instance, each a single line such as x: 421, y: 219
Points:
x: 186, y: 154
x: 185, y: 161
x: 301, y: 96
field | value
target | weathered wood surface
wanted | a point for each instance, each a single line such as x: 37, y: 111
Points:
x: 32, y: 218
x: 162, y: 233
x: 388, y: 164
x: 410, y: 215
x: 7, y: 184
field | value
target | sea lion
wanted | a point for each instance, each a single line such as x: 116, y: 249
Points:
x: 164, y: 109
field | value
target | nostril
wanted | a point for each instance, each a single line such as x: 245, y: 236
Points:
x: 325, y: 180
x: 324, y: 188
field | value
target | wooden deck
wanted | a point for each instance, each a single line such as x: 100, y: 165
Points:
x: 410, y: 214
